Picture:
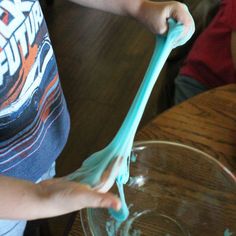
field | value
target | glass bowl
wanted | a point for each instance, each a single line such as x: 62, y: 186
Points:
x: 173, y: 190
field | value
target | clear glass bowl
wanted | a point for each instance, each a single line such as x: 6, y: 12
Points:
x: 173, y: 190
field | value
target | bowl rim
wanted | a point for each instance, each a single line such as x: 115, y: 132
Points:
x: 187, y: 146
x: 138, y: 145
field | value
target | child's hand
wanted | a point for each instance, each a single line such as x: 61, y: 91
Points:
x: 152, y: 14
x: 62, y: 196
x: 25, y: 200
x: 155, y: 14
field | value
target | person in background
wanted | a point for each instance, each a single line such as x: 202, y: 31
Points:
x: 34, y: 120
x: 212, y: 60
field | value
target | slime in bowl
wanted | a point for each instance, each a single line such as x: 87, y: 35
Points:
x: 173, y: 190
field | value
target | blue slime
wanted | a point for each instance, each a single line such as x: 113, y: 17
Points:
x: 94, y: 166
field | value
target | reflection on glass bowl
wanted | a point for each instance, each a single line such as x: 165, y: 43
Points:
x: 173, y: 190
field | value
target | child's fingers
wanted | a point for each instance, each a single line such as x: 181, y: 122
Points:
x: 94, y: 199
x: 185, y: 19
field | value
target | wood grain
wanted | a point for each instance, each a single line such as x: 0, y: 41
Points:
x: 208, y: 123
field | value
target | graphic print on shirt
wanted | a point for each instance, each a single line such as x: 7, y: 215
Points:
x: 30, y: 93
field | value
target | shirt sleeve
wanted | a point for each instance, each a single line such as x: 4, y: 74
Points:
x: 229, y: 13
x: 233, y: 15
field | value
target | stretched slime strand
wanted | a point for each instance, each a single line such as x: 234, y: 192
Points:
x: 93, y: 167
x: 125, y: 136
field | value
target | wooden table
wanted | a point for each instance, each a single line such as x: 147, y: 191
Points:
x: 206, y: 122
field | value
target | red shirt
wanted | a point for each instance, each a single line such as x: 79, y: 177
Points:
x: 210, y: 61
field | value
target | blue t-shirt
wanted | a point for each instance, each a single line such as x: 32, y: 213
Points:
x: 34, y: 121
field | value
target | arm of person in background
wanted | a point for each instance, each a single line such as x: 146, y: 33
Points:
x: 233, y: 48
x: 25, y: 200
x: 153, y: 15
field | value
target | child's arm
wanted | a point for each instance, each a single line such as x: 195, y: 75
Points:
x: 24, y: 200
x: 151, y: 14
x: 233, y: 47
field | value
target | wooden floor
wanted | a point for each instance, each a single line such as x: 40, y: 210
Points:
x: 102, y: 59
